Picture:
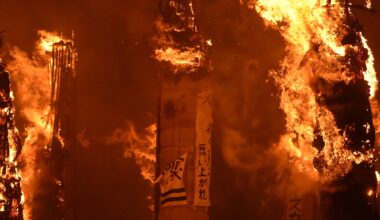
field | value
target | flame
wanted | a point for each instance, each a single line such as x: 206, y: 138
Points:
x: 189, y: 58
x: 370, y: 73
x: 370, y: 193
x: 369, y: 4
x: 33, y: 89
x: 377, y: 174
x: 314, y: 31
x: 60, y: 138
x: 141, y: 147
x: 46, y: 41
x: 188, y: 52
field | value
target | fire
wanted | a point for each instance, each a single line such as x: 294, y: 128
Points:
x: 180, y: 45
x: 47, y: 39
x: 189, y: 58
x: 141, y: 147
x: 370, y: 193
x: 319, y: 56
x: 33, y: 89
x: 370, y: 73
x: 369, y: 4
x: 377, y: 174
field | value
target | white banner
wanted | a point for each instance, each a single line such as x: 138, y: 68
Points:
x: 171, y: 183
x: 204, y: 126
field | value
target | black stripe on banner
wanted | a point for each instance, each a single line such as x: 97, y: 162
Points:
x: 173, y: 199
x: 173, y: 191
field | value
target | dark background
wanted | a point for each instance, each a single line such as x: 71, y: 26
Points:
x: 117, y: 82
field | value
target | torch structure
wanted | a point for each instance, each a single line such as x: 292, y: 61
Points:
x: 62, y: 68
x: 11, y: 197
x: 185, y: 115
x: 326, y: 82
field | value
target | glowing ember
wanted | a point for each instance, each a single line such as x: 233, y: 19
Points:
x: 322, y: 52
x: 141, y: 147
x: 370, y: 193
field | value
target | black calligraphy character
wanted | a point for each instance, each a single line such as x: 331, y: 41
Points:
x: 295, y: 209
x: 202, y: 149
x: 295, y: 216
x: 202, y: 154
x: 210, y: 129
x: 296, y: 204
x: 202, y: 174
x: 202, y: 182
x: 202, y: 194
x: 176, y: 169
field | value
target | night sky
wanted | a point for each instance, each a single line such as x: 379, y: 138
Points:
x: 117, y: 82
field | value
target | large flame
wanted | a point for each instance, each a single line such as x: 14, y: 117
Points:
x: 33, y: 89
x: 314, y: 31
x: 141, y: 147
